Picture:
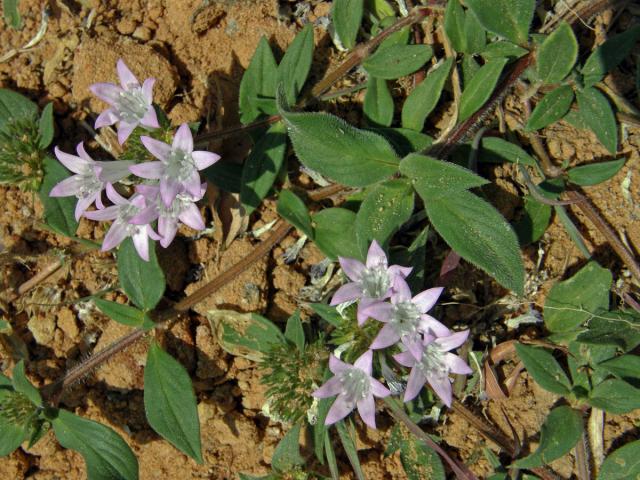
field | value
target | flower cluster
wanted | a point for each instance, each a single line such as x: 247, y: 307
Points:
x: 166, y: 190
x: 384, y: 295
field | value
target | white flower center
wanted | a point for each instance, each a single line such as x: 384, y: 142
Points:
x: 432, y: 361
x: 126, y: 213
x: 356, y: 384
x: 179, y: 165
x: 179, y: 204
x: 89, y: 182
x: 132, y: 105
x: 405, y: 319
x: 375, y: 281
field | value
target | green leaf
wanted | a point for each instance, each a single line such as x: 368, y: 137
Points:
x: 620, y: 328
x: 262, y: 166
x: 296, y: 63
x: 433, y: 178
x: 503, y: 49
x: 58, y: 211
x: 14, y: 106
x: 553, y: 106
x: 572, y: 230
x: 124, y: 314
x: 574, y: 301
x: 22, y: 384
x: 12, y: 435
x: 419, y: 461
x: 414, y: 256
x: 405, y: 141
x: 287, y: 456
x: 327, y: 313
x: 143, y: 282
x: 470, y: 67
x: 480, y: 235
x: 475, y: 34
x: 423, y: 99
x: 258, y: 84
x: 595, y: 173
x: 247, y: 335
x: 335, y: 233
x: 337, y: 150
x: 608, y: 55
x: 508, y: 18
x: 349, y: 446
x: 615, y: 396
x: 169, y: 402
x: 12, y: 14
x: 480, y: 88
x: 557, y: 55
x: 534, y: 221
x: 622, y: 464
x: 544, y: 369
x: 107, y: 455
x: 45, y: 126
x: 225, y: 175
x: 293, y: 210
x: 454, y: 18
x: 497, y: 150
x: 561, y: 431
x: 346, y: 16
x: 397, y: 60
x: 597, y: 113
x: 294, y: 331
x: 379, y: 8
x: 626, y: 367
x: 384, y: 210
x: 378, y: 103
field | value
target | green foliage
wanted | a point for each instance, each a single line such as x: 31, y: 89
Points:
x: 258, y: 86
x: 14, y: 106
x: 625, y: 367
x: 424, y: 98
x: 107, y: 455
x: 169, y: 402
x: 292, y: 209
x: 378, y: 103
x: 480, y: 88
x: 418, y: 460
x: 21, y: 157
x: 335, y: 233
x: 397, y: 61
x: 294, y: 331
x: 497, y: 150
x: 463, y: 29
x: 142, y: 281
x: 622, y: 464
x: 508, y: 18
x: 347, y: 438
x: 534, y: 221
x: 596, y: 112
x: 385, y: 208
x: 286, y: 456
x: 557, y: 55
x: 22, y: 385
x: 595, y: 173
x: 346, y: 16
x: 46, y: 128
x: 503, y: 49
x: 124, y: 314
x: 58, y: 211
x: 262, y: 166
x: 615, y: 396
x: 544, y: 369
x: 620, y: 328
x: 561, y: 431
x: 553, y: 106
x: 405, y: 141
x: 609, y: 55
x: 12, y: 14
x: 296, y: 63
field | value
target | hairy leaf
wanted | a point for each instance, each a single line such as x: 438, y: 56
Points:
x: 423, y: 99
x: 397, y: 60
x: 335, y: 233
x: 296, y: 63
x: 286, y: 456
x: 14, y: 106
x: 597, y: 113
x: 346, y: 16
x: 292, y: 209
x: 497, y: 150
x: 622, y: 464
x: 608, y: 55
x: 544, y: 369
x: 480, y: 88
x: 378, y: 103
x: 143, y: 282
x: 595, y: 173
x: 124, y: 314
x: 557, y: 54
x: 58, y: 211
x: 22, y: 384
x: 534, y: 221
x: 615, y: 396
x: 508, y: 18
x: 45, y: 126
x: 626, y: 367
x: 553, y: 106
x: 503, y: 49
x: 12, y: 14
x: 258, y: 84
x: 294, y: 331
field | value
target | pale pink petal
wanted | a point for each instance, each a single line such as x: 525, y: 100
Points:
x: 169, y: 188
x: 193, y: 185
x: 148, y: 191
x: 376, y: 256
x: 346, y: 293
x: 378, y: 389
x: 106, y: 118
x: 67, y: 187
x: 72, y: 162
x: 167, y: 227
x: 150, y: 119
x: 427, y: 299
x: 386, y: 337
x: 124, y: 130
x: 138, y: 200
x: 82, y: 205
x: 183, y: 140
x: 107, y: 92
x: 363, y: 304
x: 414, y: 346
x: 150, y: 170
x: 340, y: 409
x: 331, y: 388
x: 441, y: 386
x: 145, y: 216
x: 367, y: 410
x: 157, y: 148
x: 204, y: 159
x: 114, y: 237
x: 191, y: 217
x: 414, y: 384
x: 397, y: 270
x: 337, y: 366
x: 402, y: 290
x: 147, y: 89
x: 453, y: 341
x: 456, y: 364
x: 111, y: 172
x: 141, y: 242
x: 406, y: 359
x: 364, y: 362
x: 99, y: 203
x: 109, y: 213
x: 114, y: 196
x: 429, y: 324
x: 352, y: 268
x: 381, y: 311
x: 127, y: 78
x: 152, y: 234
